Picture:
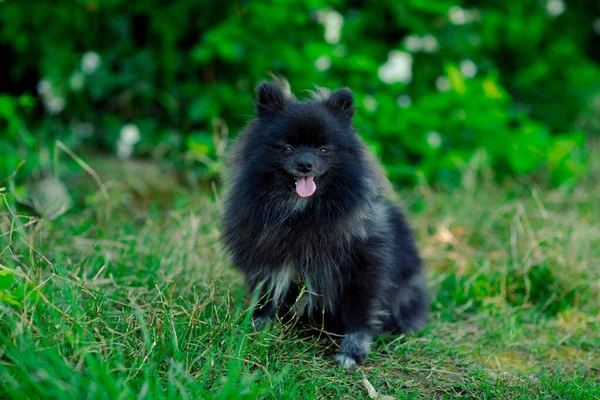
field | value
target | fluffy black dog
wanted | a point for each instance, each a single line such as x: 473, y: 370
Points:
x: 307, y: 221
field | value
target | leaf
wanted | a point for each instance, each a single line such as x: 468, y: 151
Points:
x: 373, y: 393
x: 7, y: 279
x: 370, y: 389
x: 8, y: 298
x: 457, y: 82
x: 201, y: 143
x: 492, y: 90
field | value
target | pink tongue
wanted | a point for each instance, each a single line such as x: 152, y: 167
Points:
x: 305, y: 185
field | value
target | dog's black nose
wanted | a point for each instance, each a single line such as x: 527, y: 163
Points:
x: 304, y: 166
x: 305, y: 162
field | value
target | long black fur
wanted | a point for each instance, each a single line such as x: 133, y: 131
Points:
x: 346, y: 252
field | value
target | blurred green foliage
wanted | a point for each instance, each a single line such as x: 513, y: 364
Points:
x: 434, y: 80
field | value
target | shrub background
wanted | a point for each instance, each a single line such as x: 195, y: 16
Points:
x: 434, y: 81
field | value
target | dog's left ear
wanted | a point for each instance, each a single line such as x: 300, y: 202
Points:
x: 340, y: 104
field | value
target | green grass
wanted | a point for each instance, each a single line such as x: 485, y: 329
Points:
x: 145, y: 304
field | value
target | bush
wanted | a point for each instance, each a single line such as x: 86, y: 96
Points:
x: 434, y: 80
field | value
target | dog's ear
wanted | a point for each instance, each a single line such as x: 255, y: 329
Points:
x: 271, y: 98
x: 340, y: 104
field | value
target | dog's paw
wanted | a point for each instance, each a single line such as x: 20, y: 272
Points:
x: 260, y: 323
x: 353, y: 350
x: 347, y: 361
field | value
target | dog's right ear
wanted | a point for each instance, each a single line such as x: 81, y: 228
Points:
x: 271, y: 98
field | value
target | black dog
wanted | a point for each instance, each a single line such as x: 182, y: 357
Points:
x: 307, y: 221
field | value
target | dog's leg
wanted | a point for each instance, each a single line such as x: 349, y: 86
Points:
x: 272, y: 292
x: 265, y: 308
x: 357, y: 308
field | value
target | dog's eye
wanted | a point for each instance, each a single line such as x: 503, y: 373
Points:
x: 288, y: 149
x: 324, y: 150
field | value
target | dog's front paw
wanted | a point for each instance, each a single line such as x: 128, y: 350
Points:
x: 353, y: 350
x: 260, y: 323
x: 348, y: 361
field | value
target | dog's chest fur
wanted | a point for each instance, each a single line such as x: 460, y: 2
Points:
x: 318, y: 286
x: 313, y: 257
x: 308, y: 258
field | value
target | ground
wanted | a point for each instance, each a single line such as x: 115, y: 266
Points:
x: 129, y: 295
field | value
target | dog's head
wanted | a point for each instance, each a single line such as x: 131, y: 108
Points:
x: 305, y: 146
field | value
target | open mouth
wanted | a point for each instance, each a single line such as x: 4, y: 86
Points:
x: 305, y: 185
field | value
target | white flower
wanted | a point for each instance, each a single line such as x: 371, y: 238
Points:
x: 90, y: 62
x: 44, y: 87
x: 124, y: 150
x: 130, y: 134
x: 54, y: 104
x: 468, y: 68
x: 413, y: 43
x: 404, y: 101
x: 398, y: 68
x: 333, y: 21
x: 461, y: 16
x: 434, y: 139
x: 427, y: 43
x: 457, y: 15
x: 555, y: 7
x: 323, y: 63
x: 430, y: 44
x: 442, y: 84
